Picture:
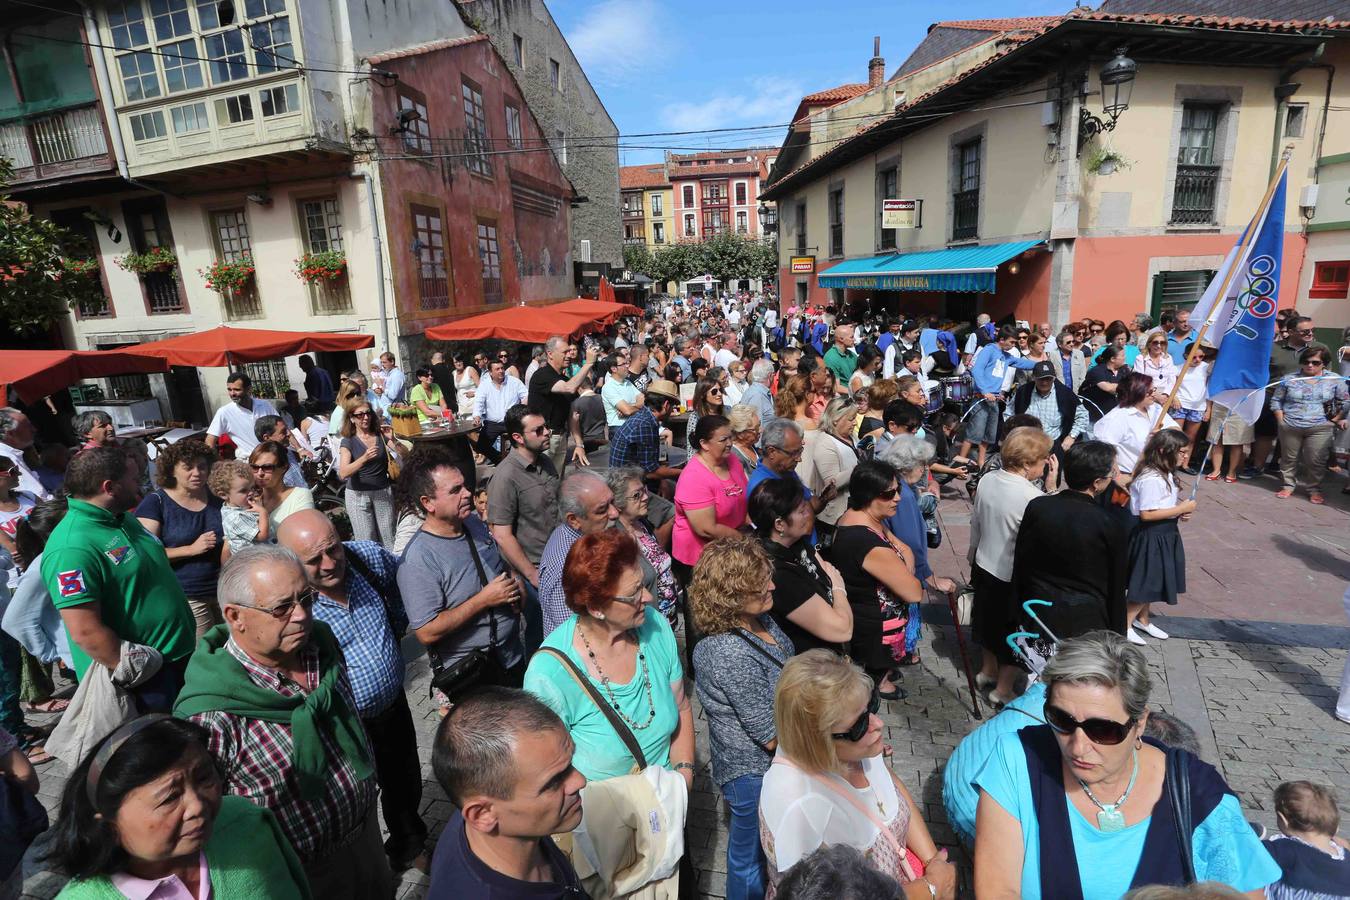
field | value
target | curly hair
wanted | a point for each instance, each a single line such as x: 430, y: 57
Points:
x: 224, y: 473
x: 729, y: 572
x: 593, y: 568
x: 185, y: 452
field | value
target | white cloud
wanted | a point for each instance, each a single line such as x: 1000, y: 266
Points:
x: 615, y: 38
x: 762, y: 101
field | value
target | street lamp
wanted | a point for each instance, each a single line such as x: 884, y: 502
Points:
x: 1117, y: 78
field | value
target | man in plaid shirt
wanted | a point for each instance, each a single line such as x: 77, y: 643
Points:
x: 637, y: 442
x: 357, y: 596
x: 270, y: 688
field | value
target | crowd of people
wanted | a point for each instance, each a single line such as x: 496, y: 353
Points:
x: 726, y: 501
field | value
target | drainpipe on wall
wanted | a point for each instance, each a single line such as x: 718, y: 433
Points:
x: 105, y: 89
x: 1282, y: 104
x: 379, y: 258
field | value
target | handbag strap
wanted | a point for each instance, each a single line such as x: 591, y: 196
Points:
x: 1178, y: 777
x: 741, y: 633
x: 483, y: 579
x: 624, y: 732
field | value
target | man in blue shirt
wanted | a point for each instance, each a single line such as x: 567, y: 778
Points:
x: 356, y: 594
x: 782, y: 442
x: 318, y: 383
x: 1180, y: 338
x: 987, y: 370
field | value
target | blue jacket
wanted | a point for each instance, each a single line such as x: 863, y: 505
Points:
x: 987, y: 369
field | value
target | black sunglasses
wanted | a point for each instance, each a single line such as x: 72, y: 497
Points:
x: 888, y: 495
x: 1100, y: 731
x: 859, y: 728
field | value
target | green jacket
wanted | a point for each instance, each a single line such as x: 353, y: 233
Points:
x: 247, y: 858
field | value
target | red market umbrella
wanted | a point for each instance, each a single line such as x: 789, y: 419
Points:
x: 527, y: 324
x: 34, y: 374
x: 606, y: 292
x: 604, y: 311
x: 226, y: 346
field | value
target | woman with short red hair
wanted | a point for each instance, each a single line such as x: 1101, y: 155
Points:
x: 627, y: 654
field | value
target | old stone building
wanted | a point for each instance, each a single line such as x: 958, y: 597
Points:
x: 570, y: 113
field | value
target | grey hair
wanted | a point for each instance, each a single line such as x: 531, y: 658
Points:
x: 680, y: 343
x: 907, y: 452
x: 557, y: 342
x: 1172, y: 731
x: 830, y: 415
x: 761, y: 371
x: 474, y: 752
x: 8, y: 420
x: 836, y: 872
x: 235, y: 585
x: 573, y: 486
x: 1106, y: 659
x: 740, y: 417
x: 982, y: 319
x: 618, y: 481
x: 776, y: 430
x: 87, y: 421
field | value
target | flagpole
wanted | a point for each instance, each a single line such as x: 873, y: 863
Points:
x: 1228, y: 277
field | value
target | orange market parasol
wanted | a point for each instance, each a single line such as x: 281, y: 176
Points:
x: 226, y: 346
x: 33, y: 374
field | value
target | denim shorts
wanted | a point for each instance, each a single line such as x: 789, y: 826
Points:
x: 982, y: 423
x: 1188, y: 415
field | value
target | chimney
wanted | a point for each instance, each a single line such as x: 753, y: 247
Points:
x: 876, y: 66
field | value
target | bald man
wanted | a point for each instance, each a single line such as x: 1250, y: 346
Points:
x: 356, y: 594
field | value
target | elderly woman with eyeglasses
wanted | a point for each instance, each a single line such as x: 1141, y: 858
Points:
x: 1079, y: 806
x: 829, y: 784
x: 1310, y: 408
x: 831, y: 458
x: 737, y: 661
x: 632, y: 500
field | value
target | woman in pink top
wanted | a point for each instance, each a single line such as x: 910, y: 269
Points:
x: 710, y: 497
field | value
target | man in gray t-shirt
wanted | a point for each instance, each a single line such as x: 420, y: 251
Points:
x: 450, y: 608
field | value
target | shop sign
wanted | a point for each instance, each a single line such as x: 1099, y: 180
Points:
x: 901, y: 213
x: 803, y: 265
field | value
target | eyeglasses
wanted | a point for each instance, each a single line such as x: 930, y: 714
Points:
x: 264, y: 467
x: 283, y: 611
x: 633, y: 600
x: 1106, y: 732
x: 1312, y: 362
x: 11, y: 469
x: 858, y: 729
x: 1157, y: 343
x: 362, y: 414
x: 796, y: 454
x: 542, y: 429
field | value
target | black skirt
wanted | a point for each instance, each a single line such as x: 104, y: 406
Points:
x: 992, y: 617
x: 1157, y: 563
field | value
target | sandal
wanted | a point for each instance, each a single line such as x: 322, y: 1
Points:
x: 1284, y: 494
x: 1230, y: 479
x: 1316, y: 499
x: 1213, y: 476
x: 911, y: 659
x: 50, y: 705
x: 896, y: 692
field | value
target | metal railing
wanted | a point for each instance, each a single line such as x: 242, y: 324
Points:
x: 1193, y: 198
x: 59, y: 137
x: 965, y: 214
x: 162, y: 291
x: 95, y: 308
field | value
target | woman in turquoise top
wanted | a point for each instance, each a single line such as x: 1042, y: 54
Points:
x: 143, y: 815
x: 628, y: 654
x: 1119, y: 335
x: 1078, y: 808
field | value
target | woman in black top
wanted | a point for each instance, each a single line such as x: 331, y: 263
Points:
x: 809, y: 597
x: 878, y: 572
x: 1099, y: 387
x: 363, y: 461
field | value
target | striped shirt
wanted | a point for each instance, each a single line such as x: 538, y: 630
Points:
x: 256, y: 759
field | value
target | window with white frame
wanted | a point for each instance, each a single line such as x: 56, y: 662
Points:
x: 234, y: 110
x: 189, y: 118
x: 475, y: 130
x: 147, y: 126
x: 513, y: 132
x: 279, y: 100
x: 140, y: 81
x: 689, y: 225
x: 322, y: 221
x: 416, y: 131
x: 742, y: 222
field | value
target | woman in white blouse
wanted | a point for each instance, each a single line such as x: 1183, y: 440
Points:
x: 1127, y: 427
x: 833, y: 456
x: 829, y: 783
x: 1157, y: 363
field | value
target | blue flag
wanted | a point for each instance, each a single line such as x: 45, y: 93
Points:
x: 1244, y: 319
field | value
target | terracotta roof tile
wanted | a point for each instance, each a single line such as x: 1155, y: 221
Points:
x: 1236, y: 23
x: 836, y: 94
x: 428, y: 47
x: 632, y: 177
x: 1021, y: 23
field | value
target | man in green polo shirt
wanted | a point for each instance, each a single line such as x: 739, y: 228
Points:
x: 110, y: 578
x: 842, y: 359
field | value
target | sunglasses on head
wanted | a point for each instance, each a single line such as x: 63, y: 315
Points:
x: 1100, y: 731
x: 858, y: 729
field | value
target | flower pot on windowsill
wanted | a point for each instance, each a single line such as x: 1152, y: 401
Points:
x: 325, y: 267
x: 228, y: 277
x: 156, y: 259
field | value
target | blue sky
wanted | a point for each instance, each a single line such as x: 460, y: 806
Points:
x: 681, y: 65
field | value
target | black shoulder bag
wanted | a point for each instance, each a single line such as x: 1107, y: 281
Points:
x: 624, y: 732
x: 1178, y: 777
x: 480, y: 668
x: 740, y: 633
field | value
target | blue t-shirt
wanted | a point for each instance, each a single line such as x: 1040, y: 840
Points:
x: 179, y: 527
x: 1224, y: 847
x: 600, y: 753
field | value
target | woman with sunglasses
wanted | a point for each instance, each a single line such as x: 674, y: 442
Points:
x: 1157, y: 363
x: 1079, y: 806
x: 427, y: 398
x: 740, y: 652
x: 709, y: 400
x: 878, y: 572
x: 268, y: 462
x: 363, y: 462
x: 1310, y: 408
x: 145, y: 815
x: 829, y: 783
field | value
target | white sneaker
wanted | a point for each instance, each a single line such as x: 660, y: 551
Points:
x: 1152, y: 630
x: 1134, y: 637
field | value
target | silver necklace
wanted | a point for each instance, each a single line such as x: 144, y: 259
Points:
x: 1109, y: 817
x: 604, y: 683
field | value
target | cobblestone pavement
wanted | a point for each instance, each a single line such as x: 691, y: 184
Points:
x: 1263, y: 705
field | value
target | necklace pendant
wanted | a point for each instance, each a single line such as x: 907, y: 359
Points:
x: 1110, y: 820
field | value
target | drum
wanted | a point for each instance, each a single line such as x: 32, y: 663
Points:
x: 958, y: 388
x: 934, y: 400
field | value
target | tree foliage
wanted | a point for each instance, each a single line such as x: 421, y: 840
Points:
x: 637, y: 258
x: 727, y: 257
x: 37, y: 285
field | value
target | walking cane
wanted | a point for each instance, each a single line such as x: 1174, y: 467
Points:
x: 965, y: 656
